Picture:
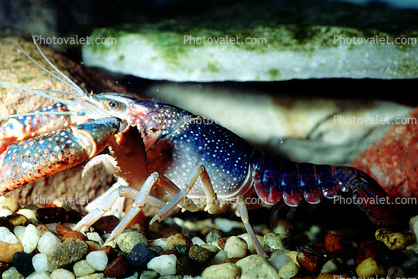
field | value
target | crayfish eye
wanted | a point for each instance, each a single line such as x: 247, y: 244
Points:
x: 115, y: 106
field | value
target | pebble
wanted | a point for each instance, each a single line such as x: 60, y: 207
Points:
x: 82, y: 268
x: 62, y: 229
x: 18, y: 231
x: 395, y: 272
x: 126, y: 241
x: 279, y: 259
x: 18, y: 220
x: 413, y: 226
x: 11, y: 203
x: 149, y: 274
x: 4, y: 212
x: 61, y: 273
x: 200, y: 254
x: 12, y: 273
x: 118, y: 267
x: 179, y: 239
x: 7, y: 250
x: 250, y: 243
x: 7, y: 236
x: 220, y: 258
x: 94, y: 236
x: 187, y: 266
x: 4, y: 266
x: 197, y: 241
x: 235, y: 247
x: 273, y: 242
x: 94, y: 246
x: 39, y: 275
x: 4, y: 222
x: 368, y: 268
x: 289, y: 270
x: 51, y: 215
x: 30, y: 238
x: 256, y: 266
x: 222, y: 271
x: 69, y: 251
x: 23, y: 263
x: 164, y: 265
x: 93, y: 276
x: 334, y: 243
x: 106, y: 224
x: 48, y: 243
x: 309, y: 261
x: 332, y: 266
x: 40, y: 263
x: 369, y: 249
x: 213, y: 236
x: 97, y: 259
x: 395, y: 240
x: 140, y: 255
x: 410, y: 266
x: 28, y: 213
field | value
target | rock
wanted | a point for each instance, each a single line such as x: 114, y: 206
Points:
x: 213, y: 236
x: 94, y: 236
x: 179, y: 239
x: 11, y: 203
x: 269, y: 44
x: 187, y: 266
x: 410, y: 266
x: 126, y: 241
x: 62, y: 229
x: 19, y: 231
x: 200, y: 254
x: 140, y: 255
x: 30, y: 238
x: 39, y: 275
x: 48, y: 243
x: 51, y: 215
x: 61, y: 273
x: 220, y: 258
x: 273, y: 242
x: 97, y: 259
x: 12, y: 273
x: 82, y: 268
x: 7, y: 251
x: 29, y: 214
x: 23, y: 263
x: 70, y: 251
x: 368, y: 268
x: 40, y: 263
x: 222, y: 271
x: 369, y: 249
x: 164, y: 265
x: 279, y: 259
x: 332, y: 266
x: 73, y: 234
x: 413, y: 225
x: 197, y: 241
x: 18, y: 220
x: 118, y: 267
x: 256, y: 266
x: 334, y: 243
x: 250, y: 243
x: 5, y: 212
x: 93, y: 276
x: 395, y: 272
x: 395, y: 240
x: 289, y: 270
x: 235, y: 247
x: 7, y: 236
x: 149, y: 274
x: 309, y: 261
x: 391, y: 160
x: 4, y: 266
x: 4, y: 222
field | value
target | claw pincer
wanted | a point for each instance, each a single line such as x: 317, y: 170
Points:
x: 42, y: 156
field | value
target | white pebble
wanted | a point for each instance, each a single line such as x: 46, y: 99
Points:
x: 61, y: 273
x: 48, y: 243
x: 220, y: 258
x: 94, y: 236
x: 4, y: 212
x: 235, y: 247
x: 97, y: 259
x: 197, y: 241
x: 30, y: 239
x: 12, y: 273
x: 94, y: 276
x: 18, y: 231
x: 164, y: 265
x: 279, y: 258
x: 256, y: 266
x: 39, y: 275
x: 226, y: 270
x: 40, y: 263
x: 289, y: 270
x: 159, y: 242
x: 82, y: 268
x: 250, y: 243
x: 7, y: 236
x: 27, y: 213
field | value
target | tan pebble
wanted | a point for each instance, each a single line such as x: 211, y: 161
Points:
x: 7, y: 251
x: 226, y: 271
x: 293, y: 256
x: 369, y: 267
x: 10, y: 203
x: 179, y: 239
x: 42, y: 229
x: 326, y: 276
x: 235, y: 247
x: 289, y: 270
x: 395, y: 240
x: 93, y: 246
x: 222, y: 241
x: 250, y: 244
x: 18, y: 220
x: 73, y: 234
x: 256, y: 266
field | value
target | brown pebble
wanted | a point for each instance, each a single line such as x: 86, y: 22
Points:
x: 309, y: 261
x: 73, y: 234
x: 334, y: 243
x: 93, y: 246
x: 369, y: 249
x: 62, y: 230
x: 18, y: 220
x: 106, y: 224
x: 180, y: 239
x: 68, y: 252
x: 4, y: 266
x: 105, y: 248
x: 169, y: 252
x: 7, y: 251
x: 222, y: 241
x: 118, y: 267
